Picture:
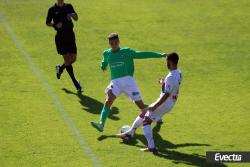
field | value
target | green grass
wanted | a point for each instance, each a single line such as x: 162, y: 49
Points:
x: 212, y: 112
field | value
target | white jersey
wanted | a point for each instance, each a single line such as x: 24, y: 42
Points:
x: 171, y: 85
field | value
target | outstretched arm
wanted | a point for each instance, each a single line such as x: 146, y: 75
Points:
x: 145, y: 55
x: 167, y: 89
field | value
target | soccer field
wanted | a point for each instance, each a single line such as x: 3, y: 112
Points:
x: 43, y: 122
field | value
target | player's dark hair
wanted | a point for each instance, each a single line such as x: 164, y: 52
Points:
x: 113, y: 36
x: 173, y: 57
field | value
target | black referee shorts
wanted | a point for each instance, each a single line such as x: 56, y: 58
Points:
x: 66, y: 42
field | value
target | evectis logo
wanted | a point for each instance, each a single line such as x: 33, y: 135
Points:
x: 227, y: 157
x: 224, y: 156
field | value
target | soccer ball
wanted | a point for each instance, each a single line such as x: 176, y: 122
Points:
x: 124, y: 129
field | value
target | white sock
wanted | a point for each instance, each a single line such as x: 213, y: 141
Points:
x: 138, y: 121
x: 149, y: 135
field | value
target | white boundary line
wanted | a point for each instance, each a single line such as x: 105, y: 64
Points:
x: 86, y: 149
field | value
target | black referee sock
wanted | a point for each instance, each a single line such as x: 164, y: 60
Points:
x: 62, y: 67
x: 71, y: 74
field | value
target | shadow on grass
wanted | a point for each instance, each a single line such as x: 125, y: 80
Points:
x: 165, y: 149
x: 92, y: 105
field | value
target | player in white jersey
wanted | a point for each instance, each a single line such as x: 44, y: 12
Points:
x: 166, y: 101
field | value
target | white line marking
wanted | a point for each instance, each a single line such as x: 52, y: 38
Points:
x: 86, y: 149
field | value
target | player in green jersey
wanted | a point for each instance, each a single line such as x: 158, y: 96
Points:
x: 121, y: 64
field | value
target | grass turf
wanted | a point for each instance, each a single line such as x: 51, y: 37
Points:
x: 212, y: 112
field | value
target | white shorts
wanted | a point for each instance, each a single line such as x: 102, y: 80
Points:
x: 157, y: 114
x: 126, y: 85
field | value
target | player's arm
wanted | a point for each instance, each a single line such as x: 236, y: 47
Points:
x: 168, y: 87
x: 72, y: 13
x: 49, y: 19
x: 160, y: 102
x: 104, y: 62
x: 145, y: 55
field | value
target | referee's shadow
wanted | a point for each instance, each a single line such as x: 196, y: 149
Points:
x: 92, y: 105
x: 166, y: 149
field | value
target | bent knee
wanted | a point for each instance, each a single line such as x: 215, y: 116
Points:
x: 147, y: 121
x: 110, y: 95
x: 109, y: 100
x: 67, y: 63
x: 67, y: 60
x: 73, y: 58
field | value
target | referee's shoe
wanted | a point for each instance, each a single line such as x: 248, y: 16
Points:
x: 58, y: 73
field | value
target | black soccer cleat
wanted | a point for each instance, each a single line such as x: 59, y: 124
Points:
x: 58, y: 74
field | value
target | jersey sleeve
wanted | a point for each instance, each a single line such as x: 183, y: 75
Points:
x: 71, y: 9
x: 49, y: 16
x: 169, y: 84
x: 104, y: 62
x: 144, y: 55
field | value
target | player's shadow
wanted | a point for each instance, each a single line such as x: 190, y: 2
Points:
x: 92, y: 105
x: 166, y: 149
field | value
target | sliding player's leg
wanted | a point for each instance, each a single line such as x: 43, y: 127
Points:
x: 137, y: 122
x: 139, y: 119
x: 147, y: 129
x: 134, y: 94
x: 150, y: 117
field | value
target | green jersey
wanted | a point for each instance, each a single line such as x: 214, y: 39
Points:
x: 121, y: 63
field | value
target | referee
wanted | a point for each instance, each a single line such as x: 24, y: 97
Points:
x: 60, y: 17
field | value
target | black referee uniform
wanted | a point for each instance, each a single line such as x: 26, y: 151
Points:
x: 65, y: 37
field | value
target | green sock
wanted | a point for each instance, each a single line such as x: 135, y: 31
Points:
x: 104, y: 114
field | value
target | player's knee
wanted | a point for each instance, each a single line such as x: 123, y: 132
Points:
x: 110, y: 95
x: 140, y: 104
x: 67, y: 63
x: 110, y: 98
x: 147, y: 121
x: 67, y: 60
x: 109, y: 102
x: 72, y: 61
x: 144, y: 109
x: 73, y: 58
x: 142, y: 115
